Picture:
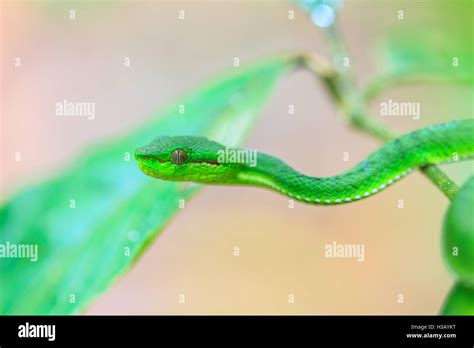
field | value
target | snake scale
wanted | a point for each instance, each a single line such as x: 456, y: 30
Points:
x: 199, y: 160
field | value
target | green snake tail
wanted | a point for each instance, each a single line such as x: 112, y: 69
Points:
x: 442, y: 143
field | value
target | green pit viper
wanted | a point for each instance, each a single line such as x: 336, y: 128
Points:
x: 199, y: 160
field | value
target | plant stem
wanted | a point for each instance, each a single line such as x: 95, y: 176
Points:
x: 354, y: 109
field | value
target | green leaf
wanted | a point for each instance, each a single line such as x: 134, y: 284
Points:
x: 118, y: 210
x: 415, y: 54
x: 434, y: 48
x: 435, y: 43
x: 460, y: 301
x: 458, y: 233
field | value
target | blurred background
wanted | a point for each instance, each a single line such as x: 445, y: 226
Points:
x: 281, y: 248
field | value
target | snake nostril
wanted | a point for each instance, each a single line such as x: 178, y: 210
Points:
x: 142, y: 155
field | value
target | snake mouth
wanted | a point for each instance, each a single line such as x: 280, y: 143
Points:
x: 150, y: 166
x: 208, y: 162
x: 148, y: 170
x: 145, y: 162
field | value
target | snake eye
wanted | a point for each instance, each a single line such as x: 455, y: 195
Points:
x: 178, y: 156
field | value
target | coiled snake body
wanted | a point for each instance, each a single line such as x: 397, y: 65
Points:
x: 197, y: 159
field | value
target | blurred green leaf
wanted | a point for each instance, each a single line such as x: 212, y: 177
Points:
x: 415, y: 53
x: 118, y: 210
x: 458, y: 233
x: 441, y: 57
x: 460, y: 301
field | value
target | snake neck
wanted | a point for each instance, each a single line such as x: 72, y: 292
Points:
x: 273, y: 174
x: 443, y: 143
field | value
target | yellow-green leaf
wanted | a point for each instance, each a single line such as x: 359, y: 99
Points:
x: 460, y: 301
x: 458, y: 233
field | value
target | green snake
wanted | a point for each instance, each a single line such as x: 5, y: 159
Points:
x: 199, y: 160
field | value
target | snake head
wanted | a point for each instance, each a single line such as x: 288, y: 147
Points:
x: 184, y: 158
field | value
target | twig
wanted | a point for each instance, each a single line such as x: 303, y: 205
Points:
x: 354, y: 108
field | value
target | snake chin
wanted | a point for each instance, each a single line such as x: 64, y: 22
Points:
x: 150, y: 171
